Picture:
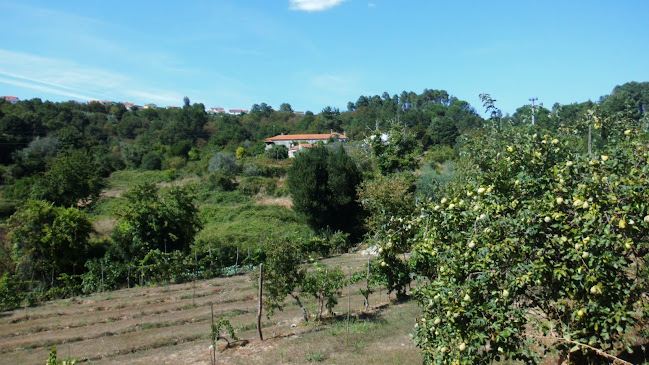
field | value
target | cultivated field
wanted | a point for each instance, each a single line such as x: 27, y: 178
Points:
x: 171, y: 324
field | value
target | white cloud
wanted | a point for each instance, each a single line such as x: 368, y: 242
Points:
x: 70, y: 79
x: 313, y: 5
x: 371, y: 5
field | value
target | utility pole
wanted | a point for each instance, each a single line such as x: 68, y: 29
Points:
x: 533, y: 108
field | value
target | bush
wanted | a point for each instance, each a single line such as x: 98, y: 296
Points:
x: 180, y: 149
x: 440, y: 154
x: 251, y: 186
x: 251, y: 170
x: 151, y: 161
x: 277, y: 152
x: 177, y: 162
x: 221, y: 181
x: 224, y: 163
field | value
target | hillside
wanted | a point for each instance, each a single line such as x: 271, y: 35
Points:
x: 171, y: 323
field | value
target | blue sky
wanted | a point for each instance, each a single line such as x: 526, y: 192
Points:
x: 315, y: 53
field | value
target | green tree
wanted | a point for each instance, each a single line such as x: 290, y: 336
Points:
x: 325, y: 286
x: 444, y: 131
x: 74, y: 177
x: 536, y: 242
x: 286, y: 108
x: 323, y: 188
x: 165, y: 221
x: 46, y: 240
x: 395, y: 150
x: 283, y: 275
x: 277, y: 152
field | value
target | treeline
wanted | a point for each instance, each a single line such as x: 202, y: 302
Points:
x: 56, y: 157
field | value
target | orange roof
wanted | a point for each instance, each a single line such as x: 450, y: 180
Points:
x: 300, y: 146
x: 300, y: 137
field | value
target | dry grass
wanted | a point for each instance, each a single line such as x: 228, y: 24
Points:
x: 104, y: 226
x: 284, y: 201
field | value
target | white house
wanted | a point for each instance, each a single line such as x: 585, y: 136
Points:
x: 10, y: 99
x: 297, y: 142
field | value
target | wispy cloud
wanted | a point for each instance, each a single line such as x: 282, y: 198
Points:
x: 313, y: 5
x: 334, y: 83
x: 371, y: 5
x: 70, y: 79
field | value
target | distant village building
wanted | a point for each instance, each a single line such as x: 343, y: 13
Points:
x: 216, y: 110
x: 10, y: 99
x: 173, y: 107
x: 237, y: 111
x: 102, y: 102
x: 297, y: 142
x: 149, y: 106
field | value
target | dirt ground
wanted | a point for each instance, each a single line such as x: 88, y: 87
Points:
x: 171, y: 323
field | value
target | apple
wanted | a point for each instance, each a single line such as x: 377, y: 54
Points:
x: 559, y: 200
x: 505, y: 293
x: 581, y: 313
x: 462, y: 346
x: 481, y: 191
x: 547, y: 219
x: 466, y: 297
x: 471, y: 244
x: 622, y: 223
x: 627, y: 132
x: 604, y: 158
x: 555, y: 141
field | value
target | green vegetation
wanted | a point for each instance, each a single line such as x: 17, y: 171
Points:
x: 323, y: 188
x: 521, y: 229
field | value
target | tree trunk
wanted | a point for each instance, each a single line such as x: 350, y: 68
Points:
x: 299, y: 303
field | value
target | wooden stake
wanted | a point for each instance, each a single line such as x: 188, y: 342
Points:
x: 349, y: 301
x: 259, y: 308
x: 211, y: 329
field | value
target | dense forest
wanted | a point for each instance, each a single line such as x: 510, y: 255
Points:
x: 545, y: 208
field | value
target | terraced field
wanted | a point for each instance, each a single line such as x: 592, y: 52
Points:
x: 171, y: 324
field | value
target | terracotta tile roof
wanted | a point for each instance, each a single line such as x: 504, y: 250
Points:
x: 305, y: 137
x: 300, y: 146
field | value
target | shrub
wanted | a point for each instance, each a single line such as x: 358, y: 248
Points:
x: 223, y: 162
x: 151, y: 161
x: 221, y: 181
x: 440, y: 154
x: 277, y: 152
x: 177, y: 162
